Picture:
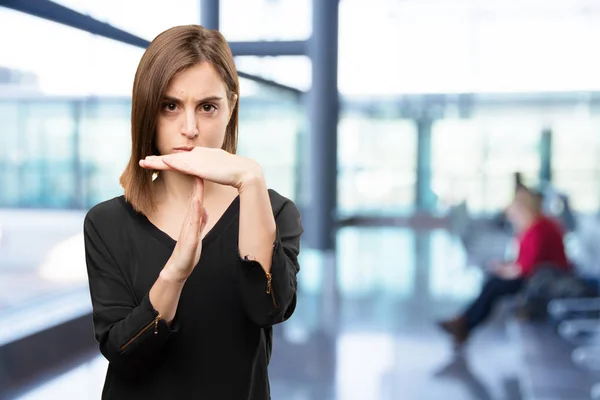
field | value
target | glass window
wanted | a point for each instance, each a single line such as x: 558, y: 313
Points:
x: 145, y: 19
x: 449, y: 275
x: 293, y: 71
x: 252, y: 20
x: 377, y: 160
x: 104, y: 127
x: 45, y: 137
x: 9, y: 153
x: 376, y: 261
x: 459, y: 46
x: 270, y: 132
x: 576, y: 160
x: 63, y: 61
x: 476, y: 159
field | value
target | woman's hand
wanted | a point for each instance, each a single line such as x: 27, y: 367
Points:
x: 215, y: 165
x: 508, y: 271
x: 189, y: 244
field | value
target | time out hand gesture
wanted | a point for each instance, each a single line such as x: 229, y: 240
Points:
x: 215, y: 165
x: 189, y: 244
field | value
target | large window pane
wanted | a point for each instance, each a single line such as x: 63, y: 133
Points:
x: 576, y: 160
x: 270, y: 132
x: 377, y: 160
x: 62, y: 60
x: 251, y: 20
x: 143, y: 18
x: 467, y: 46
x: 379, y: 261
x: 294, y: 71
x: 476, y: 159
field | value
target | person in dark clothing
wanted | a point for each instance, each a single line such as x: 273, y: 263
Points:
x: 540, y: 243
x: 190, y: 268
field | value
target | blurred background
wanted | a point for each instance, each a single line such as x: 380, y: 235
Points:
x: 395, y: 125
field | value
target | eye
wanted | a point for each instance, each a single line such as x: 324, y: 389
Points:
x: 208, y: 107
x: 169, y: 107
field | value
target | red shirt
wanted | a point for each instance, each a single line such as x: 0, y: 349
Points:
x: 541, y: 243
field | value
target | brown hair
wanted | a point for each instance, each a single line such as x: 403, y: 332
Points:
x: 170, y: 53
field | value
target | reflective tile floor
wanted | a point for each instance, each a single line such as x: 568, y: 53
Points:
x: 372, y: 335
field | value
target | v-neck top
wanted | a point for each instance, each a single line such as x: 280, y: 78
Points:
x: 219, y: 344
x: 167, y: 240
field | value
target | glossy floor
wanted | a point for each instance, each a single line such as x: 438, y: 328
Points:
x: 372, y: 335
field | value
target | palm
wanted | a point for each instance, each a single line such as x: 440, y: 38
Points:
x: 215, y: 165
x: 189, y: 244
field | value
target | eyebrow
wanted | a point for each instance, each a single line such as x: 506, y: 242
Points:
x: 204, y: 100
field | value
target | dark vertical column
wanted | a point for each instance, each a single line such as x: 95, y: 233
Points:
x: 546, y: 157
x: 323, y: 114
x: 209, y: 14
x: 422, y: 289
x: 424, y: 195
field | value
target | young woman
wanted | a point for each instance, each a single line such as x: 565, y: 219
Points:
x: 190, y: 269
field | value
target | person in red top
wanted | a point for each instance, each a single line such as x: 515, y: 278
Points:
x: 540, y: 244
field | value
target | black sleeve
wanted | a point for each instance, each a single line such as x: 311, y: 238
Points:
x: 130, y: 332
x: 265, y: 304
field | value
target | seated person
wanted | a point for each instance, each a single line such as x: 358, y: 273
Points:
x: 540, y: 243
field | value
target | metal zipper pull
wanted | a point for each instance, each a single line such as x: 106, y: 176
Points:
x: 156, y: 324
x: 270, y: 288
x: 269, y: 282
x: 145, y: 329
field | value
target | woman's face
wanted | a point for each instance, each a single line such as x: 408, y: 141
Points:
x: 194, y: 111
x: 515, y: 214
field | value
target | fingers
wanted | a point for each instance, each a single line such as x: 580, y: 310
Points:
x: 197, y: 210
x: 179, y: 162
x: 198, y: 189
x: 155, y: 163
x: 195, y: 218
x: 204, y: 219
x: 171, y: 162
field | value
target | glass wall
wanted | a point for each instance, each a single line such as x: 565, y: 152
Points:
x: 475, y: 159
x: 70, y: 153
x: 491, y: 46
x: 377, y: 163
x: 478, y: 143
x: 576, y: 159
x: 145, y: 19
x: 270, y: 20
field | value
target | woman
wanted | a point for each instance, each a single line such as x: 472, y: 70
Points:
x: 188, y: 272
x: 540, y: 244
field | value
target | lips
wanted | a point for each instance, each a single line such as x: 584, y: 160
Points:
x: 183, y: 148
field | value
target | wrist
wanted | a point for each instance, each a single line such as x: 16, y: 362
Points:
x: 251, y: 177
x: 170, y: 274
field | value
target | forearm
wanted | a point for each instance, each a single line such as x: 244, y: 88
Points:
x: 165, y: 294
x: 257, y: 225
x: 509, y: 270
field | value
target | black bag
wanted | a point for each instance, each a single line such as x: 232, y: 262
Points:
x: 549, y: 283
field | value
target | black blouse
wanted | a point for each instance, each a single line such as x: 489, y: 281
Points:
x: 219, y: 344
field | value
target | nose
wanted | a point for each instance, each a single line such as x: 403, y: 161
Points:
x: 190, y: 125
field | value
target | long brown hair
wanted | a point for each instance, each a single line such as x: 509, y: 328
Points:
x: 170, y: 53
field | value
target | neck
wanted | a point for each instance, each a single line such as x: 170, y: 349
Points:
x: 529, y: 220
x: 175, y: 188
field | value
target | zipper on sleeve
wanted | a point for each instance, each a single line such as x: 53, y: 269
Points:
x: 154, y: 323
x: 270, y: 288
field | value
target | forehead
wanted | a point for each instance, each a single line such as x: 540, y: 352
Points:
x: 199, y: 80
